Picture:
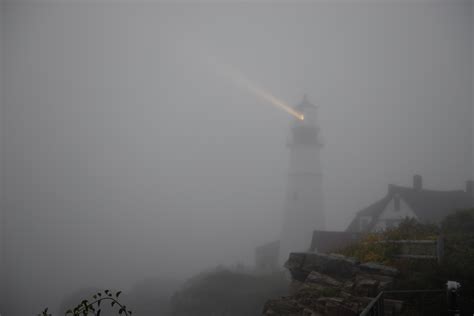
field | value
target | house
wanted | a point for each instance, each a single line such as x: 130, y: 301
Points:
x: 426, y: 206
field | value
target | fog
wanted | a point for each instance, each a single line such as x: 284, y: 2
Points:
x: 126, y: 153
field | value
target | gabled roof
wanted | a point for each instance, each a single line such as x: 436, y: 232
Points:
x: 430, y: 206
x: 374, y: 210
x: 433, y: 206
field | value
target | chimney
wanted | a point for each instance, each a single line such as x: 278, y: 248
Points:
x: 470, y: 187
x: 417, y: 182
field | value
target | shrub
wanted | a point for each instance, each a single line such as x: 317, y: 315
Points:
x: 373, y: 248
x: 93, y: 306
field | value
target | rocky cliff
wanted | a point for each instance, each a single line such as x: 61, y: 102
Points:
x: 325, y: 284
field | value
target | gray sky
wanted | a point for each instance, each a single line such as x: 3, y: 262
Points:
x: 124, y: 146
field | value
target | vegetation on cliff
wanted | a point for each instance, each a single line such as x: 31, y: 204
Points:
x: 225, y: 291
x: 457, y: 231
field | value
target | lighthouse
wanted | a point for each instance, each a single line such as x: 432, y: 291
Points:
x: 304, y: 208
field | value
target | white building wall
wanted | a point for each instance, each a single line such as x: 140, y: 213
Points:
x: 304, y: 160
x: 304, y: 208
x: 390, y: 213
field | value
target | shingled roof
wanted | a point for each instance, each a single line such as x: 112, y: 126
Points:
x: 430, y: 206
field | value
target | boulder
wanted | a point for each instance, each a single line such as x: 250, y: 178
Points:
x: 309, y: 312
x: 283, y: 307
x: 376, y: 268
x: 294, y: 287
x: 348, y: 286
x: 337, y: 306
x: 366, y: 287
x: 385, y: 282
x: 301, y: 264
x: 330, y: 284
x: 319, y: 278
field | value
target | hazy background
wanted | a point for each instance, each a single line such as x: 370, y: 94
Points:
x: 126, y: 155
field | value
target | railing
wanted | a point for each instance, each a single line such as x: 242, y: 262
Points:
x: 417, y: 303
x: 375, y: 307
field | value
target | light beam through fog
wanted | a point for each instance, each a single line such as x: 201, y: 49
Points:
x: 241, y: 80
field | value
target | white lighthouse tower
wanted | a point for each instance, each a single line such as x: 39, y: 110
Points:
x: 304, y: 210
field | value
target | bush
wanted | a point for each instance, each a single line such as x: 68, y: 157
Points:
x: 227, y: 292
x: 458, y: 260
x: 372, y: 246
x: 93, y: 306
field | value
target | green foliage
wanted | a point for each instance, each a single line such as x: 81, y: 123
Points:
x: 371, y: 249
x: 372, y: 246
x: 87, y: 307
x: 411, y: 229
x: 461, y: 222
x: 457, y: 263
x: 458, y: 260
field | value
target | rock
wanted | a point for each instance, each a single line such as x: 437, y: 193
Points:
x: 295, y: 261
x: 338, y: 266
x: 376, y: 268
x: 345, y: 295
x: 348, y: 286
x: 366, y: 287
x: 309, y: 312
x: 332, y: 284
x: 391, y: 307
x: 295, y: 265
x: 337, y: 306
x: 294, y: 287
x: 283, y: 307
x: 353, y: 260
x: 301, y: 264
x: 385, y: 282
x: 319, y: 278
x: 330, y: 300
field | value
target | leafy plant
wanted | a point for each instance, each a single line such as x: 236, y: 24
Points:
x: 228, y: 291
x: 373, y: 248
x: 93, y: 306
